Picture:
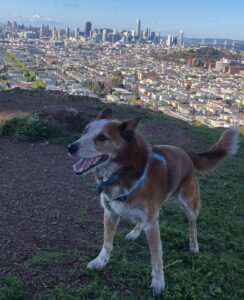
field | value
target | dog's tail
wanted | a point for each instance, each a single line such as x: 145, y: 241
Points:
x: 227, y: 145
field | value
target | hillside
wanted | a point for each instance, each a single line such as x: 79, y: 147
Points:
x: 51, y: 220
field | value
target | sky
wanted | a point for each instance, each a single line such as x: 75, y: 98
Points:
x: 197, y: 18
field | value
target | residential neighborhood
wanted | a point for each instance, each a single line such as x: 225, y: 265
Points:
x: 209, y: 92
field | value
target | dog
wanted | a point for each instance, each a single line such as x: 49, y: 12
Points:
x: 136, y: 178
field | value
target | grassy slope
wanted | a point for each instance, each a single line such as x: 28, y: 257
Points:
x: 215, y: 273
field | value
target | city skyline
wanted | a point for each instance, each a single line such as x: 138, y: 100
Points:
x: 205, y: 20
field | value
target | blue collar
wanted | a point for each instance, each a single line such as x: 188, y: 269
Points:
x: 115, y: 178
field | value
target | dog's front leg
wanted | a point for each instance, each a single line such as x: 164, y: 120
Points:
x: 111, y: 221
x: 154, y: 240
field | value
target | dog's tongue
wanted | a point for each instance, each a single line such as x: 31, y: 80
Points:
x: 83, y: 164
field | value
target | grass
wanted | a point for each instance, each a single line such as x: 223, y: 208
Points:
x: 49, y: 258
x: 11, y: 288
x: 215, y: 273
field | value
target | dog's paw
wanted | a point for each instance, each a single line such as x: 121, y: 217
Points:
x: 97, y: 263
x: 158, y: 285
x: 133, y: 235
x: 194, y: 248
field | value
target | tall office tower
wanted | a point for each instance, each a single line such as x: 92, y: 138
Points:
x: 128, y: 37
x: 104, y: 35
x: 157, y: 38
x: 180, y: 39
x: 149, y: 32
x: 67, y: 32
x: 98, y: 38
x: 138, y: 29
x: 59, y: 33
x: 42, y: 31
x: 175, y: 40
x: 77, y: 32
x: 169, y: 41
x: 54, y: 33
x: 88, y: 27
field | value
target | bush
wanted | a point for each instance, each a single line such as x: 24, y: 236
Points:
x: 38, y: 85
x: 29, y: 128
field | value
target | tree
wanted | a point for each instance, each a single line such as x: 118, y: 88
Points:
x: 38, y: 85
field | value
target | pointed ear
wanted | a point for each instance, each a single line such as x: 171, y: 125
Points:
x: 130, y: 125
x: 105, y: 114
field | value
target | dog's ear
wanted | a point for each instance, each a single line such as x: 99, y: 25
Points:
x: 105, y: 114
x: 128, y: 127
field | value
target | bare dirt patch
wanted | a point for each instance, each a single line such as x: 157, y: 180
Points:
x: 41, y: 203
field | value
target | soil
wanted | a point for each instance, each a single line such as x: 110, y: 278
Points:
x: 41, y: 201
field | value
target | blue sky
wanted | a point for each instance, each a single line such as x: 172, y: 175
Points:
x: 197, y: 18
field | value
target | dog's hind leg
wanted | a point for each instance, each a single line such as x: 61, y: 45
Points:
x: 189, y: 200
x: 111, y: 221
x: 134, y: 233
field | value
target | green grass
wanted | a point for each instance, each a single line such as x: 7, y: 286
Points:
x: 49, y: 258
x: 11, y: 288
x: 215, y: 273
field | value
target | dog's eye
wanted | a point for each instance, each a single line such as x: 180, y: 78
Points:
x: 102, y: 138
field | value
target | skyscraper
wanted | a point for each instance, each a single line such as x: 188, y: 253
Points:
x: 169, y: 41
x: 67, y: 32
x: 54, y: 33
x: 181, y: 39
x: 59, y: 33
x: 77, y: 32
x: 138, y: 29
x: 88, y: 27
x: 42, y: 30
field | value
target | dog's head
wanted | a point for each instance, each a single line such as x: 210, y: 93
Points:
x: 102, y: 142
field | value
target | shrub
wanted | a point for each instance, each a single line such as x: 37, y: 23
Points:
x: 38, y: 84
x: 29, y: 128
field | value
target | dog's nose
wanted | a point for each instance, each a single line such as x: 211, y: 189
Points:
x: 72, y: 148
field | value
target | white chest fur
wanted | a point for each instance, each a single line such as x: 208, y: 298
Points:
x: 126, y: 210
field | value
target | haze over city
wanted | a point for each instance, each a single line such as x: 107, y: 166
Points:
x: 213, y: 19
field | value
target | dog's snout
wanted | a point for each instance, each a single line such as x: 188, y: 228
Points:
x: 72, y: 148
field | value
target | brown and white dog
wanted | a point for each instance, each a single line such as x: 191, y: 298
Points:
x: 113, y: 148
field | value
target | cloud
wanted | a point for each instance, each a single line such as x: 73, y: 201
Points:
x: 35, y: 19
x: 71, y: 5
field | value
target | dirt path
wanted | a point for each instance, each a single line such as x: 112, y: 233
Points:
x: 41, y: 200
